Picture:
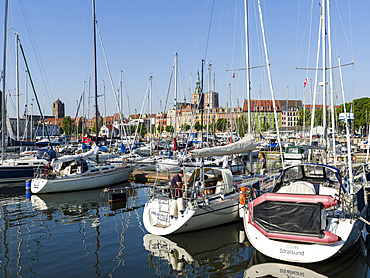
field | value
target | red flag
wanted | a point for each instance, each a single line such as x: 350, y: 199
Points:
x: 305, y: 83
x: 337, y: 95
x: 234, y: 75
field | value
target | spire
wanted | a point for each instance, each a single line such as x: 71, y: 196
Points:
x: 197, y: 88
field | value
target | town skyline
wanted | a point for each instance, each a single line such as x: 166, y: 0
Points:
x: 141, y: 40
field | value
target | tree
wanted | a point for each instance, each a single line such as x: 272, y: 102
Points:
x: 160, y: 128
x: 169, y: 128
x: 67, y: 125
x: 197, y: 126
x: 185, y: 127
x: 241, y: 125
x: 142, y: 129
x: 307, y: 115
x: 222, y: 124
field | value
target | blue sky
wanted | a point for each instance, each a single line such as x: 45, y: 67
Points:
x: 141, y: 37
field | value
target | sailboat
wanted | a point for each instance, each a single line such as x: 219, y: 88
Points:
x: 312, y: 212
x: 76, y: 172
x: 210, y: 198
x: 13, y: 169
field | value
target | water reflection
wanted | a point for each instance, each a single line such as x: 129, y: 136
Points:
x: 77, y: 233
x: 350, y: 264
x: 200, y: 253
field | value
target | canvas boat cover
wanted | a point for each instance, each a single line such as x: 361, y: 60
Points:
x: 247, y: 143
x: 93, y: 152
x: 289, y: 218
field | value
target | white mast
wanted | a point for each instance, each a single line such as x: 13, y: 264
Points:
x: 270, y: 82
x: 105, y: 105
x: 247, y: 64
x: 17, y: 80
x: 83, y: 110
x: 150, y: 112
x: 121, y: 104
x: 230, y: 114
x: 176, y: 61
x: 209, y: 98
x: 331, y: 84
x: 3, y: 92
x: 323, y: 34
x: 347, y: 131
x: 26, y: 101
x: 315, y: 86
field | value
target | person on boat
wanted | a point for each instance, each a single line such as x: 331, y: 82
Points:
x: 225, y: 162
x: 48, y: 169
x: 263, y: 164
x: 177, y: 185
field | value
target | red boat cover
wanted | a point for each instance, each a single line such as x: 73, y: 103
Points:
x: 294, y: 217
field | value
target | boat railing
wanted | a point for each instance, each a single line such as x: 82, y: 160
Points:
x: 41, y: 174
x: 189, y: 193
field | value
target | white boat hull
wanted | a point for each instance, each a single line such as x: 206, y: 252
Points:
x: 81, y: 181
x: 192, y: 219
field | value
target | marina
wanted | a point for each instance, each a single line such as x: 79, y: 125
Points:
x: 187, y: 178
x: 81, y: 234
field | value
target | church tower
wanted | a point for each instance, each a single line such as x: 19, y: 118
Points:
x: 58, y: 109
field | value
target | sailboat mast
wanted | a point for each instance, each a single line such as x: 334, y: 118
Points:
x: 323, y: 34
x: 17, y: 80
x: 247, y: 65
x: 209, y: 99
x: 270, y: 82
x: 3, y: 92
x: 150, y: 111
x: 331, y: 85
x: 95, y: 76
x: 176, y: 64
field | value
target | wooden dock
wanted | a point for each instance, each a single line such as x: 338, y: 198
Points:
x: 150, y: 176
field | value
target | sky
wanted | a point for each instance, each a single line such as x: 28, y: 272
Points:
x: 140, y: 39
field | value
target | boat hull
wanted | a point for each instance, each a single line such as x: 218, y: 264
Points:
x: 81, y: 182
x: 349, y: 232
x: 16, y: 173
x: 205, y: 216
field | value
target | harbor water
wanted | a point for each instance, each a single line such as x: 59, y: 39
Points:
x: 81, y: 234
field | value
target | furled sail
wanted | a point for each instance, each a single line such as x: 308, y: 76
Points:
x: 247, y: 143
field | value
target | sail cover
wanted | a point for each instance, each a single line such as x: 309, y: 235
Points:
x: 94, y: 150
x: 247, y: 143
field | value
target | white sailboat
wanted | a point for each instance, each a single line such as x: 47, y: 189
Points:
x: 74, y: 172
x: 310, y: 216
x: 312, y: 213
x: 77, y: 172
x: 210, y: 197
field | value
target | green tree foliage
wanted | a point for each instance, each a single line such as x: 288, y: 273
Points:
x: 67, y: 125
x: 185, y: 127
x: 142, y: 129
x: 160, y: 128
x: 197, y: 126
x: 80, y: 126
x: 222, y: 124
x: 360, y: 109
x: 169, y: 128
x: 241, y: 125
x: 307, y: 115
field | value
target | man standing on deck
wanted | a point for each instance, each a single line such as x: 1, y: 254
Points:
x: 177, y: 186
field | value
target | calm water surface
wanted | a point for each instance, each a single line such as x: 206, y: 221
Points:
x: 80, y: 235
